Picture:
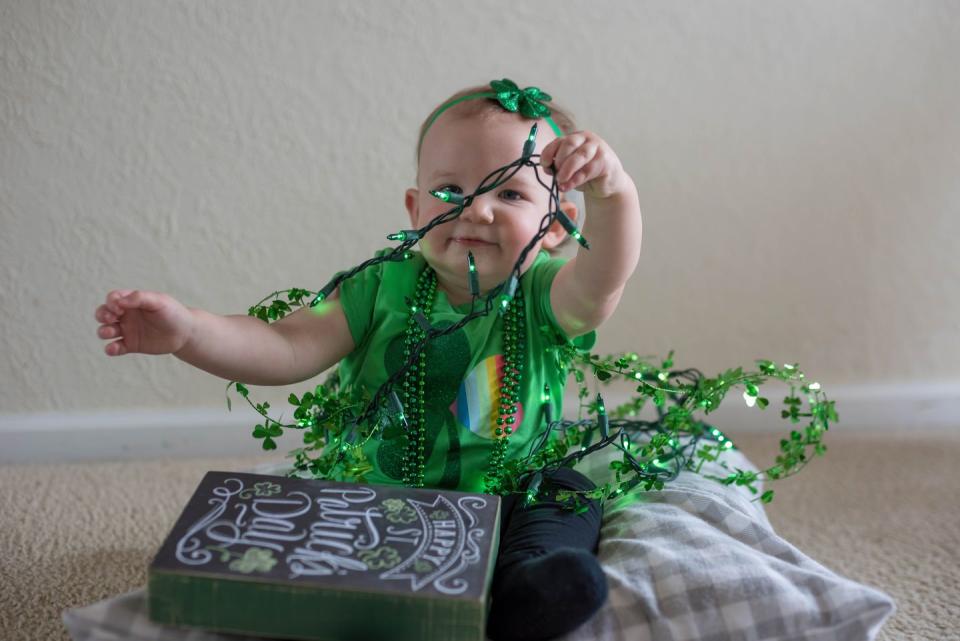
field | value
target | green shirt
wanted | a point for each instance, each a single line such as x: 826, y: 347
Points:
x: 464, y: 368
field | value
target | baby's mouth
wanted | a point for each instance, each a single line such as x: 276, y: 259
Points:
x: 470, y: 242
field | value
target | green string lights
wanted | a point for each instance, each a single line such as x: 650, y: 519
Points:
x: 406, y: 234
x: 530, y: 144
x: 337, y: 423
x: 472, y: 271
x: 447, y: 196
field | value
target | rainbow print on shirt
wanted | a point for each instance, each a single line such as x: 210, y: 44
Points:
x: 478, y: 398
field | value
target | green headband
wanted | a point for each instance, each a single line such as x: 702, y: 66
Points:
x: 529, y: 102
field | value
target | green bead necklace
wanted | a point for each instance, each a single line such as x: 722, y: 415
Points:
x: 414, y: 385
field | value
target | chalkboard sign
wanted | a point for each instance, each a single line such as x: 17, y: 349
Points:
x: 302, y: 559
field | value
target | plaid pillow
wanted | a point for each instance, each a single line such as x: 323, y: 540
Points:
x: 697, y: 561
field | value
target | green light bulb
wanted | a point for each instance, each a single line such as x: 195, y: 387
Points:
x: 602, y: 420
x: 506, y: 297
x: 512, y: 286
x: 571, y: 229
x: 323, y: 293
x: 534, y: 488
x: 447, y: 196
x: 474, y: 280
x: 398, y: 408
x: 406, y: 234
x: 422, y: 322
x: 531, y: 142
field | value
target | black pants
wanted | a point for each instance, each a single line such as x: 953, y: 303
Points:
x: 527, y: 532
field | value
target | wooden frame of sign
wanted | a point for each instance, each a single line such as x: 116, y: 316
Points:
x: 302, y: 559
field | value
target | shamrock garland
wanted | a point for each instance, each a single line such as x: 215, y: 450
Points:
x: 336, y: 422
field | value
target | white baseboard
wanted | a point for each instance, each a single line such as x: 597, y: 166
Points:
x: 128, y: 435
x: 183, y: 433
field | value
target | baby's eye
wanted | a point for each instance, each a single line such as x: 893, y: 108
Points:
x: 451, y: 188
x: 510, y: 191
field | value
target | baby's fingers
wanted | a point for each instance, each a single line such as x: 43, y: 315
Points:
x: 109, y: 331
x: 116, y: 348
x: 115, y: 296
x: 139, y: 299
x: 585, y: 174
x: 104, y: 315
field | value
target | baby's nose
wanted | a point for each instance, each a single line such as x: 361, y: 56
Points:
x: 479, y: 211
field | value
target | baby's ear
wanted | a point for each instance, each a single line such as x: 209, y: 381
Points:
x: 570, y: 208
x: 411, y: 201
x: 572, y: 200
x: 557, y: 232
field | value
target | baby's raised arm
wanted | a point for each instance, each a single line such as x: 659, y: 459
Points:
x: 237, y: 347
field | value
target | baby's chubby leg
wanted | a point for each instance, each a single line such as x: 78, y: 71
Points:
x: 548, y: 580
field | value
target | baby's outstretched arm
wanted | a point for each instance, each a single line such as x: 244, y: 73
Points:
x: 587, y: 289
x: 238, y: 347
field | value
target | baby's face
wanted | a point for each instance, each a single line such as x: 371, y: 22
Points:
x: 456, y: 155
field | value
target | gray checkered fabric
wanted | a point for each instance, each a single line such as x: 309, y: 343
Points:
x: 700, y: 561
x: 697, y: 561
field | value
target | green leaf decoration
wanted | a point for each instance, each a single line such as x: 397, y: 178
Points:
x: 254, y: 560
x: 679, y: 439
x: 527, y: 101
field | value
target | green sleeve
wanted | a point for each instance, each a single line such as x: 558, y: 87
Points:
x: 358, y: 297
x: 543, y: 274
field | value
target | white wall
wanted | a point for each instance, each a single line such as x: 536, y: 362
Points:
x: 797, y: 163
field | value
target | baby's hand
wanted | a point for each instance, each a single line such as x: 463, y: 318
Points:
x: 583, y: 161
x: 144, y: 322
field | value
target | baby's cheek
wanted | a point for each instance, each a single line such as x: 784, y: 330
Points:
x: 431, y: 247
x: 428, y: 244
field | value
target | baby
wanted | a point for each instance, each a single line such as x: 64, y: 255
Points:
x: 474, y: 401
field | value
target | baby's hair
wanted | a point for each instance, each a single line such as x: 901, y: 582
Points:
x: 488, y: 108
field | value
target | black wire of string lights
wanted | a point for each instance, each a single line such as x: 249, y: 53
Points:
x: 503, y: 291
x: 671, y: 456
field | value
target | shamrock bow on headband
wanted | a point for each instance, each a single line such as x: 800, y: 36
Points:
x: 529, y: 102
x: 526, y: 101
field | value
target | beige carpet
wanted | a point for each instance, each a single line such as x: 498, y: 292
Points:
x: 882, y: 509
